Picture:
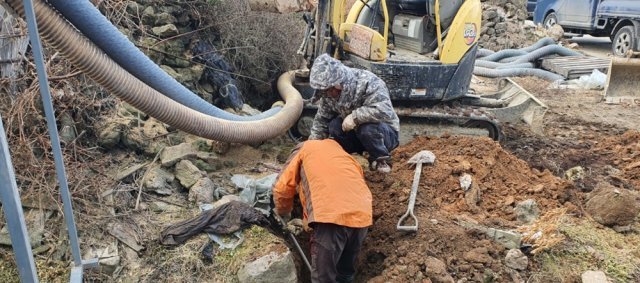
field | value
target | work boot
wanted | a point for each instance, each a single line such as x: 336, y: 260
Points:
x: 383, y: 167
x: 381, y: 164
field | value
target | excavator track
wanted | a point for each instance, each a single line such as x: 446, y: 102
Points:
x: 433, y: 121
x: 473, y: 115
x: 447, y: 119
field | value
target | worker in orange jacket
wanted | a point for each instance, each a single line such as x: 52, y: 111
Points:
x: 336, y: 202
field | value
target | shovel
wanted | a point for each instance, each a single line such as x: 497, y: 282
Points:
x: 421, y: 157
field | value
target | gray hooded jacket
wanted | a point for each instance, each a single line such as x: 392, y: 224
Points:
x: 363, y: 94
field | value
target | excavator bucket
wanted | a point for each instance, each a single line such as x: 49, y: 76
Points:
x: 623, y: 81
x: 520, y: 105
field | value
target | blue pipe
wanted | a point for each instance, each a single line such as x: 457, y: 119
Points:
x: 95, y: 26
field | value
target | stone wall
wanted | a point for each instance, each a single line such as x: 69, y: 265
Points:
x: 503, y: 24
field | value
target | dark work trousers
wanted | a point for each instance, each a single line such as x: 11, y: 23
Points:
x: 378, y: 139
x: 334, y: 250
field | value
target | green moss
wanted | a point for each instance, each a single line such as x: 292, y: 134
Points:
x: 258, y: 242
x: 47, y: 271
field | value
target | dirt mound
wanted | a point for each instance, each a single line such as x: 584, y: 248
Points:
x: 624, y: 150
x: 501, y: 181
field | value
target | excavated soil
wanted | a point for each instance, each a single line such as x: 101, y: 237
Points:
x: 502, y: 181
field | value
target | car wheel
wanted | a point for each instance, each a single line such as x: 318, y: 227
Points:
x: 550, y: 20
x: 624, y: 41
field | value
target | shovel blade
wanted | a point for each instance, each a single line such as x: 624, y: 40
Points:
x: 423, y: 156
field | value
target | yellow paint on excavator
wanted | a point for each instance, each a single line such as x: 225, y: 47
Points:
x: 463, y: 32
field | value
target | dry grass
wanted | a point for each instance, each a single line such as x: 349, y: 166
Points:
x: 589, y: 246
x: 260, y: 45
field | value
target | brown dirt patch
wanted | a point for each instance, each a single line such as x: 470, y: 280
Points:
x: 502, y: 179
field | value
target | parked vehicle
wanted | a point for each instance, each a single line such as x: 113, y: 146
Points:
x: 617, y: 19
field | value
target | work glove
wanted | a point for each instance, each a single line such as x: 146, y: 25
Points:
x: 295, y: 226
x: 348, y: 123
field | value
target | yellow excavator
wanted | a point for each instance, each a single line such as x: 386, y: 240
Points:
x: 425, y: 51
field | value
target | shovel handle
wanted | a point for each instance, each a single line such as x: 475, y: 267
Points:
x: 412, y: 228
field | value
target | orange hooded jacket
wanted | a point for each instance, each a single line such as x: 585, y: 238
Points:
x: 329, y: 182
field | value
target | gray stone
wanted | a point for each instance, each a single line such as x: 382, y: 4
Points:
x: 176, y: 62
x: 187, y: 173
x: 436, y: 270
x: 516, y: 259
x: 527, y: 211
x: 489, y: 14
x: 159, y: 206
x: 574, y: 174
x: 134, y: 139
x: 171, y: 155
x: 159, y: 181
x: 165, y: 30
x: 164, y: 18
x: 594, y: 277
x: 134, y: 8
x: 35, y: 219
x: 509, y: 239
x: 149, y: 16
x: 68, y: 129
x: 109, y: 134
x: 202, y: 191
x: 273, y: 267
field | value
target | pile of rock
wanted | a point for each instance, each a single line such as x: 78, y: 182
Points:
x: 503, y: 24
x: 164, y: 24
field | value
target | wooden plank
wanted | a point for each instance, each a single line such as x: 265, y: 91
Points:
x: 575, y: 66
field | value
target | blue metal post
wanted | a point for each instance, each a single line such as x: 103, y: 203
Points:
x: 12, y: 207
x: 36, y: 46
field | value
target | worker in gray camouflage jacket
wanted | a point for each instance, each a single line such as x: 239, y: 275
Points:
x: 355, y: 109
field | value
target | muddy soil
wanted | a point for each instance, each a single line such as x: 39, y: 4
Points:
x: 500, y: 179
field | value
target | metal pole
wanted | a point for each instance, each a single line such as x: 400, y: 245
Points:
x: 36, y: 47
x: 14, y: 215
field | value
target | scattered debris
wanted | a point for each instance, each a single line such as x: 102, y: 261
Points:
x: 122, y: 174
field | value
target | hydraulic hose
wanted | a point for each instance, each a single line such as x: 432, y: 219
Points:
x: 98, y: 66
x: 516, y: 66
x: 542, y: 52
x: 516, y: 72
x: 482, y: 52
x: 539, y: 44
x: 507, y: 53
x: 497, y: 65
x: 95, y: 26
